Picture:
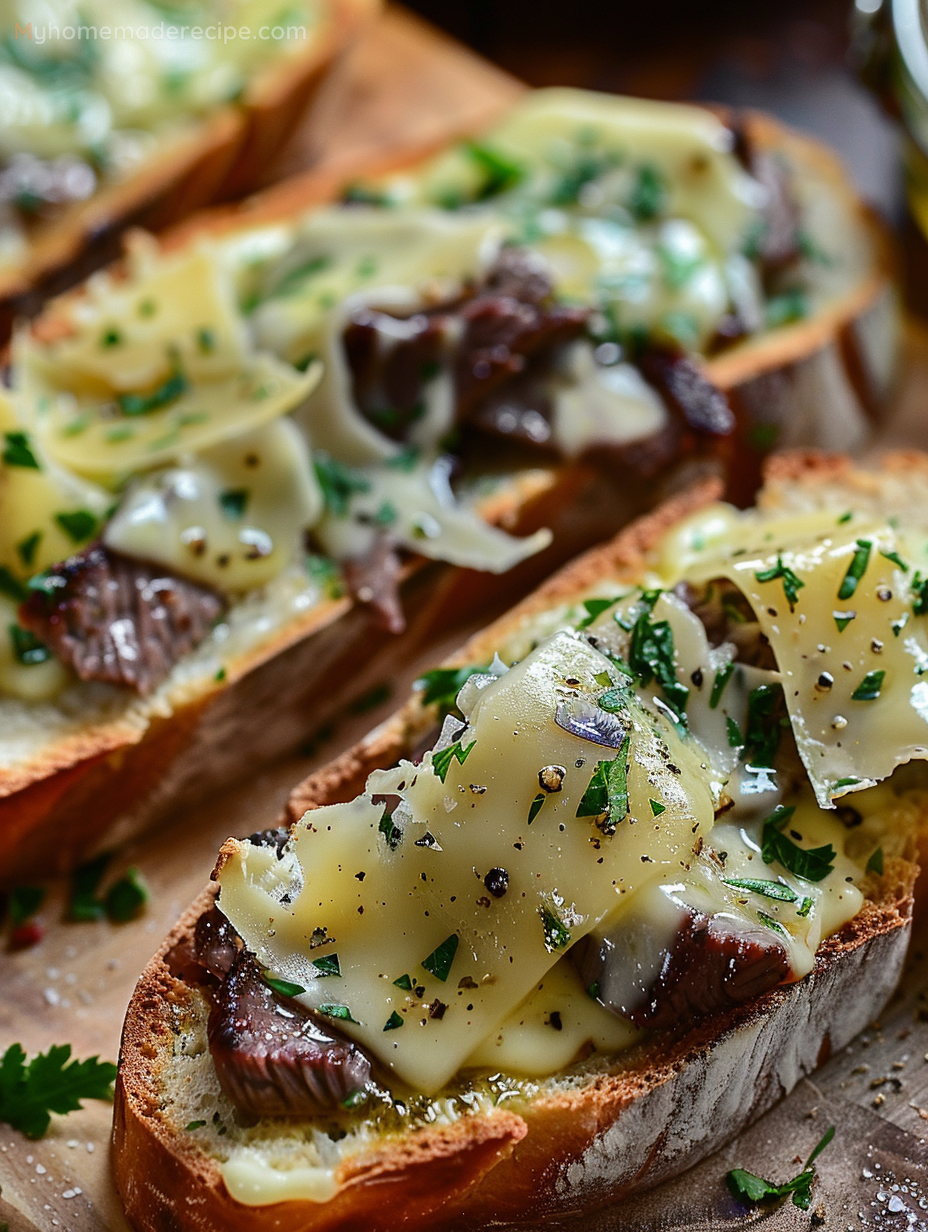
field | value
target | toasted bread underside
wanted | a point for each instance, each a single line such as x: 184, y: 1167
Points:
x: 592, y: 1136
x: 218, y: 158
x: 107, y: 780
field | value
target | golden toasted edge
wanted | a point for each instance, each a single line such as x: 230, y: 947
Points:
x: 221, y: 155
x: 517, y: 1176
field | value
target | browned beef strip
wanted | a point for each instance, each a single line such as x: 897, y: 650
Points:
x: 119, y: 620
x: 686, y: 389
x: 216, y: 943
x: 711, y: 964
x: 374, y: 579
x: 272, y: 1057
x: 486, y: 337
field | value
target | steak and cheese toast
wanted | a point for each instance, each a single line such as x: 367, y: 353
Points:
x: 127, y: 114
x: 251, y: 441
x: 629, y: 865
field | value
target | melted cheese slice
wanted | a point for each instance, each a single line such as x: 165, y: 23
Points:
x: 232, y: 518
x: 391, y: 913
x: 828, y: 648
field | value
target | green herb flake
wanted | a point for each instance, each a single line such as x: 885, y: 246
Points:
x: 754, y: 1190
x: 594, y: 608
x: 27, y: 548
x: 845, y: 517
x: 233, y: 503
x: 327, y: 965
x: 499, y: 172
x: 735, y: 738
x: 146, y: 308
x: 786, y: 308
x: 606, y: 795
x: 392, y: 833
x: 771, y: 922
x: 126, y: 898
x: 657, y: 808
x: 83, y: 904
x: 766, y: 719
x: 556, y: 933
x: 804, y: 907
x: 769, y: 889
x: 718, y: 685
x: 898, y: 625
x: 845, y: 782
x: 11, y: 586
x: 535, y: 807
x: 110, y: 337
x: 50, y: 1082
x: 27, y: 649
x: 441, y: 686
x: 791, y: 583
x: 24, y: 903
x: 145, y: 404
x: 192, y: 1126
x: 896, y: 559
x: 439, y: 961
x: 875, y: 863
x: 337, y: 1011
x: 79, y: 526
x: 404, y: 982
x: 18, y: 451
x: 651, y: 656
x: 856, y: 569
x: 395, y: 1020
x: 220, y: 675
x: 869, y: 688
x: 649, y: 194
x: 206, y: 341
x: 441, y: 761
x: 843, y: 619
x: 339, y: 482
x: 284, y: 987
x: 812, y: 864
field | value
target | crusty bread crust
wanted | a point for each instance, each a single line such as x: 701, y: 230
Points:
x: 221, y: 157
x: 111, y: 780
x: 662, y: 1107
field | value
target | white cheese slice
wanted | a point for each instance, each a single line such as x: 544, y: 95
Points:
x: 391, y: 911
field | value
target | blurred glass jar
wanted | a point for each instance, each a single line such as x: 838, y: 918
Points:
x: 889, y: 49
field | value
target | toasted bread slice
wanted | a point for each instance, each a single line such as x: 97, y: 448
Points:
x: 219, y: 158
x: 578, y: 1141
x: 138, y: 763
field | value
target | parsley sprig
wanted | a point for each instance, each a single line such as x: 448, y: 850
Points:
x: 791, y: 583
x: 810, y: 863
x: 440, y: 686
x: 651, y: 657
x: 51, y: 1082
x: 441, y: 761
x: 748, y: 1187
x: 606, y: 795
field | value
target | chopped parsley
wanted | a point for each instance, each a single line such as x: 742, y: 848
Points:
x: 441, y: 686
x: 791, y: 583
x: 856, y: 569
x: 875, y: 863
x: 27, y: 548
x: 18, y: 451
x: 294, y: 278
x: 499, y: 172
x: 754, y: 1190
x: 395, y: 1020
x: 896, y: 560
x: 613, y: 700
x: 11, y: 586
x: 920, y: 595
x: 651, y: 656
x: 286, y: 988
x: 787, y: 307
x: 766, y: 719
x: 771, y: 922
x: 327, y: 965
x: 606, y: 795
x: 339, y: 482
x: 812, y: 864
x: 804, y: 906
x: 657, y: 808
x: 843, y: 619
x: 50, y: 1082
x: 126, y: 897
x: 735, y: 738
x: 83, y: 903
x: 441, y: 761
x: 110, y: 337
x: 145, y: 404
x: 535, y: 807
x: 648, y: 195
x: 439, y: 961
x: 594, y: 608
x: 869, y: 688
x: 233, y: 502
x: 337, y: 1011
x: 769, y: 889
x: 206, y: 341
x: 27, y: 649
x: 79, y: 526
x: 192, y: 1126
x: 718, y: 685
x: 556, y: 932
x: 391, y: 832
x: 24, y: 903
x: 404, y: 982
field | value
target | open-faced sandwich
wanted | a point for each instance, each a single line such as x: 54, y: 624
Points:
x: 135, y: 112
x: 238, y: 436
x: 653, y: 867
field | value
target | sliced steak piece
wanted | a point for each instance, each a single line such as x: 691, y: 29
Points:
x: 686, y: 390
x: 272, y: 1057
x: 119, y: 620
x: 374, y: 579
x: 216, y: 943
x: 707, y: 963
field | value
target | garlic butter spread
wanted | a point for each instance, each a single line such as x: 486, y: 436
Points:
x: 201, y: 410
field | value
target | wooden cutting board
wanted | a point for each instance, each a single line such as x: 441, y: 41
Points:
x: 405, y: 85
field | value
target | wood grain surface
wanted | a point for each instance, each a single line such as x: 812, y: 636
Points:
x: 405, y: 82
